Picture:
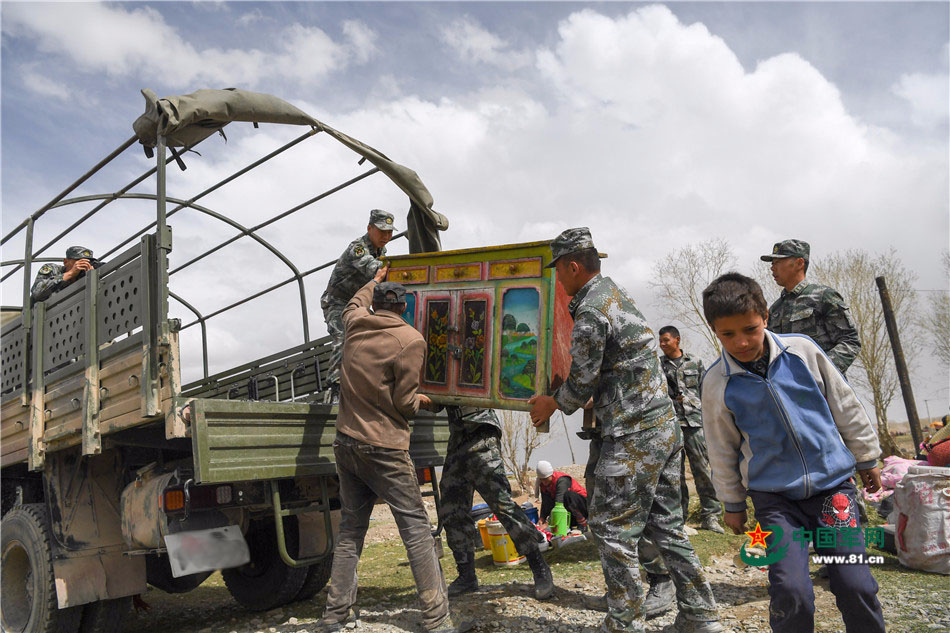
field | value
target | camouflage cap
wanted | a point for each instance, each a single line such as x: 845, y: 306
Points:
x: 389, y: 292
x: 382, y: 220
x: 571, y: 241
x: 78, y: 252
x: 788, y: 248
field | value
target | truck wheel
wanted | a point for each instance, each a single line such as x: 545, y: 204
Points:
x: 104, y: 616
x: 265, y: 582
x: 28, y: 593
x: 318, y: 575
x: 158, y: 573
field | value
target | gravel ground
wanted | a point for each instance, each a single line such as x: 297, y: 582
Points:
x: 913, y: 603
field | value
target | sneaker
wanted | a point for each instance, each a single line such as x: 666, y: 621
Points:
x: 660, y: 596
x: 685, y: 625
x: 711, y: 523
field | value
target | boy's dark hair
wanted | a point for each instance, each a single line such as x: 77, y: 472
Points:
x: 669, y: 329
x: 731, y: 294
x: 588, y: 258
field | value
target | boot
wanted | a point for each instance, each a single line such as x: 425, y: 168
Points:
x: 660, y: 596
x: 447, y: 626
x: 467, y: 582
x: 711, y: 523
x: 543, y: 582
x: 685, y: 625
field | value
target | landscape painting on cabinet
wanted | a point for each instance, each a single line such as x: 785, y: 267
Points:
x: 519, y: 342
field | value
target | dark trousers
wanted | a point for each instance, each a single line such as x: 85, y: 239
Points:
x: 574, y: 503
x: 792, y: 606
x: 366, y: 473
x: 473, y: 462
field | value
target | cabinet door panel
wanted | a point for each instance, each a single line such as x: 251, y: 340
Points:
x: 518, y: 349
x: 475, y: 343
x: 436, y: 316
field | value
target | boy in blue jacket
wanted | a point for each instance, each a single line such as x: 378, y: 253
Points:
x: 784, y: 427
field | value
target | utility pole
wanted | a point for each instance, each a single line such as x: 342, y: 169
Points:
x: 913, y: 420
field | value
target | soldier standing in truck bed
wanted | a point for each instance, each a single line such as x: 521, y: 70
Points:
x: 53, y: 277
x: 355, y: 267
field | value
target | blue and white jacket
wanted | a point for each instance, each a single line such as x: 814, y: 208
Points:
x: 797, y: 433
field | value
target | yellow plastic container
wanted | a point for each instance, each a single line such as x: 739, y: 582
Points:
x: 503, y: 550
x: 483, y: 532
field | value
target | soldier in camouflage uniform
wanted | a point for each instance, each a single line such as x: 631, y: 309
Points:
x: 636, y: 487
x: 353, y: 270
x: 812, y: 309
x: 53, y: 277
x: 683, y: 377
x: 660, y: 594
x: 473, y: 462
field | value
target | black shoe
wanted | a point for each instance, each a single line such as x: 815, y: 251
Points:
x: 467, y: 582
x: 543, y: 582
x: 660, y: 596
x: 352, y: 620
x: 685, y: 625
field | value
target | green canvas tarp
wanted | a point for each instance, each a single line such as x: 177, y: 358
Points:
x: 186, y: 120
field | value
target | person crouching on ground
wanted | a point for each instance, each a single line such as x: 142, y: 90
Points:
x: 557, y: 487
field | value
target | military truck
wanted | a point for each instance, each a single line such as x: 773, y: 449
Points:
x: 115, y: 474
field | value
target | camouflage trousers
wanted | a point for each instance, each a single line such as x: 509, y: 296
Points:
x: 636, y: 493
x: 333, y: 315
x: 473, y: 462
x: 647, y: 552
x: 694, y: 447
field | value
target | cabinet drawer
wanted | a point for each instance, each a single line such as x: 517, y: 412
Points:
x: 404, y: 276
x: 515, y: 268
x: 458, y: 272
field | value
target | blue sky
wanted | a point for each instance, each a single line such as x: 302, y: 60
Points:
x: 656, y: 125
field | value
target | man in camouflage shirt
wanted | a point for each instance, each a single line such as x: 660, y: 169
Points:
x: 473, y: 462
x: 812, y: 309
x: 683, y: 377
x: 53, y: 277
x: 636, y: 489
x: 353, y: 270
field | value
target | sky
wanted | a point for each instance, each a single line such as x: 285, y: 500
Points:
x: 656, y: 125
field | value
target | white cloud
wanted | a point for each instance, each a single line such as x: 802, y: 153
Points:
x: 45, y: 86
x: 926, y: 94
x: 471, y: 42
x: 138, y: 42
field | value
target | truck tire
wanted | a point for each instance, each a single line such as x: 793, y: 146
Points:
x: 318, y: 575
x: 105, y: 616
x: 158, y: 573
x: 28, y: 592
x: 265, y: 582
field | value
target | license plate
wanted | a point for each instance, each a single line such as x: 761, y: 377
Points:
x: 206, y: 550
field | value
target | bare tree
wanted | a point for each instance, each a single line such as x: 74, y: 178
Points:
x: 762, y: 273
x: 519, y: 440
x: 852, y: 273
x: 936, y: 318
x: 681, y: 277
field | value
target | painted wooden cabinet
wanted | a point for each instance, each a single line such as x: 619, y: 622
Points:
x: 495, y: 320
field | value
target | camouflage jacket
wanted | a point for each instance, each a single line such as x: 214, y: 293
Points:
x: 819, y: 312
x: 686, y: 374
x: 353, y: 270
x: 48, y: 280
x: 614, y: 361
x: 464, y: 420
